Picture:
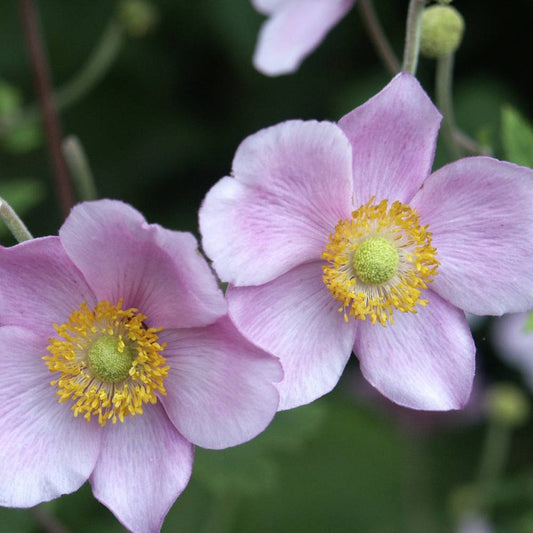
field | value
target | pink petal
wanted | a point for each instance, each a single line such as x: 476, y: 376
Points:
x: 144, y: 466
x: 39, y: 285
x: 269, y: 6
x: 295, y: 318
x: 393, y: 137
x: 292, y: 184
x: 44, y: 451
x: 514, y: 344
x: 424, y: 360
x: 480, y: 212
x: 158, y: 271
x: 295, y: 29
x: 220, y: 389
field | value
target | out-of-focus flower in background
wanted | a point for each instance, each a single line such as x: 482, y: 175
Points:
x: 293, y: 30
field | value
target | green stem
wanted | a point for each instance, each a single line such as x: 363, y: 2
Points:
x: 412, y: 36
x: 443, y: 90
x: 493, y: 459
x: 79, y: 168
x: 48, y: 522
x: 89, y: 76
x: 378, y: 37
x: 13, y: 222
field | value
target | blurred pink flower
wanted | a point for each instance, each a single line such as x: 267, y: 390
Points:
x: 294, y: 29
x: 132, y: 327
x: 320, y: 218
x: 515, y: 344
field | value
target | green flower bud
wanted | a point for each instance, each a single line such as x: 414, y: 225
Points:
x: 441, y: 31
x: 138, y: 16
x: 507, y: 404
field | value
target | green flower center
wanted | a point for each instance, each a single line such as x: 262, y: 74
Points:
x: 110, y: 359
x: 375, y: 261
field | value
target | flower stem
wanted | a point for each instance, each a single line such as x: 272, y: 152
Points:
x: 493, y: 459
x: 98, y: 64
x: 378, y: 37
x: 43, y: 87
x: 14, y: 224
x: 95, y: 68
x: 443, y: 90
x: 48, y: 522
x: 79, y: 168
x: 412, y: 36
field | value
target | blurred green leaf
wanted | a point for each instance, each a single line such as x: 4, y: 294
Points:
x: 16, y: 520
x: 517, y: 137
x: 250, y: 468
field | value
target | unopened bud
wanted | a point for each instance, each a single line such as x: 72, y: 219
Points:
x: 138, y: 16
x: 507, y: 404
x: 441, y: 31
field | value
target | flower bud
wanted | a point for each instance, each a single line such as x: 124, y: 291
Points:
x: 138, y: 16
x: 507, y: 405
x: 441, y: 31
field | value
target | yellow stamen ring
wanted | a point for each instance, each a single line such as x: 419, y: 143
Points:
x: 379, y: 261
x: 110, y: 363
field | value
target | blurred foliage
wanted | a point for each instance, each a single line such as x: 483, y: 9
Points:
x: 159, y: 129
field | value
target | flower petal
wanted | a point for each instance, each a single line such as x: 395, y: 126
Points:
x: 269, y: 6
x: 144, y: 466
x: 292, y: 184
x: 158, y: 271
x: 295, y: 318
x: 44, y: 451
x: 424, y: 360
x: 393, y: 137
x: 480, y: 212
x: 294, y: 30
x: 514, y: 344
x: 220, y: 389
x: 39, y: 285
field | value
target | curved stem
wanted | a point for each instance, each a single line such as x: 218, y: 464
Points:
x: 79, y: 168
x: 378, y: 37
x: 96, y: 67
x: 412, y: 36
x: 14, y: 224
x: 89, y: 76
x: 43, y: 87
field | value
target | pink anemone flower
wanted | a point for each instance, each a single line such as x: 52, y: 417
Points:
x: 117, y: 356
x: 295, y: 28
x: 514, y: 343
x: 336, y: 237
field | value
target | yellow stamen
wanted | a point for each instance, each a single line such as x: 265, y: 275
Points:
x: 379, y: 294
x: 115, y: 391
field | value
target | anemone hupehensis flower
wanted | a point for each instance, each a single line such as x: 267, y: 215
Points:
x: 117, y: 356
x: 294, y: 29
x: 336, y: 237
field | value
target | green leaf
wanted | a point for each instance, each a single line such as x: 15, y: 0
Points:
x: 251, y: 467
x: 517, y: 137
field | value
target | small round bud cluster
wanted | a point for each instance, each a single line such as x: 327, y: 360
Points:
x: 441, y: 31
x: 138, y: 16
x: 507, y: 405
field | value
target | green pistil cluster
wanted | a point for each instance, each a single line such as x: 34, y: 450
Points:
x: 110, y: 359
x: 375, y: 261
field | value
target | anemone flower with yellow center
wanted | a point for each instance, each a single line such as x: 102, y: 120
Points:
x: 337, y: 237
x: 117, y: 357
